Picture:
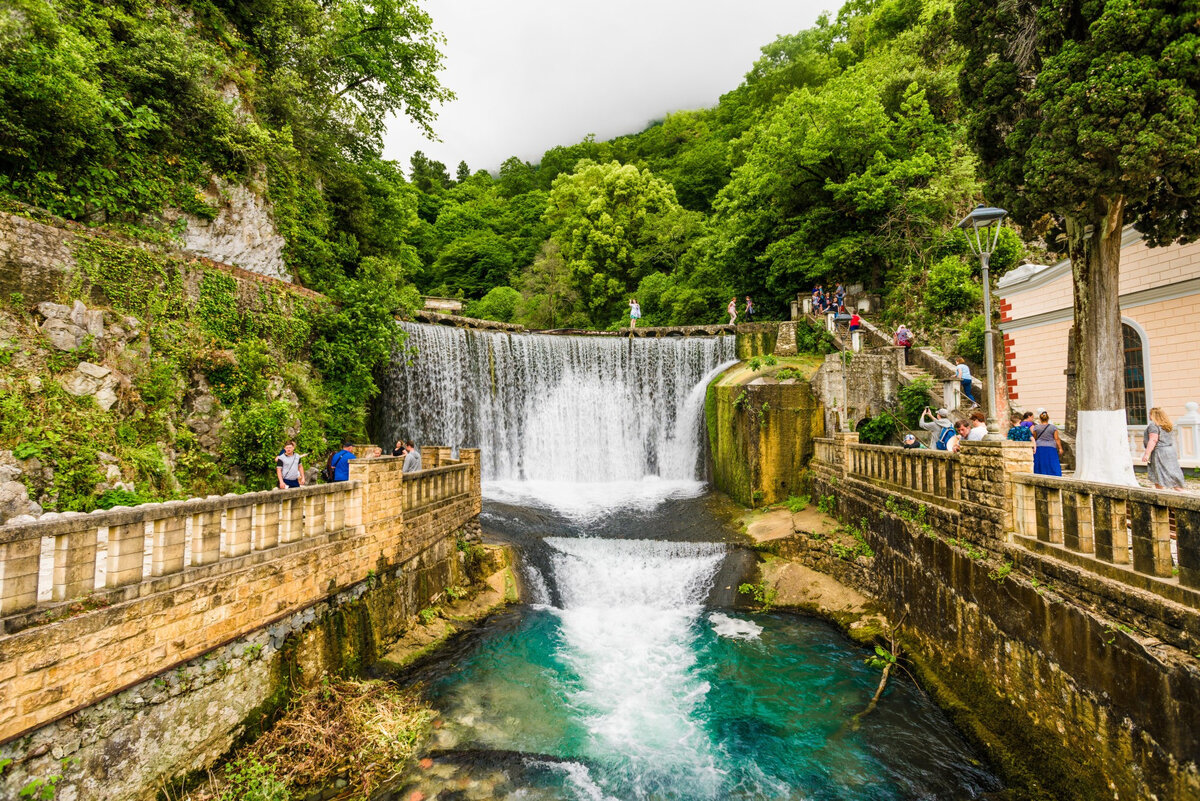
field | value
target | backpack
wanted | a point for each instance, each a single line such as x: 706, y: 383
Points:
x: 327, y: 470
x: 944, y: 438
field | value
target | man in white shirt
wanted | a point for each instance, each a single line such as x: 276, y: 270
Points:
x: 289, y: 470
x: 978, y: 427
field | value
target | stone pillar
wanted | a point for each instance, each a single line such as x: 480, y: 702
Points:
x: 986, y: 489
x: 844, y: 440
x: 471, y: 456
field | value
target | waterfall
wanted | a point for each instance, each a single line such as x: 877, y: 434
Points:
x: 628, y: 627
x: 555, y: 408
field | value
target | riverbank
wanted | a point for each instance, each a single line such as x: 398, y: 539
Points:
x: 348, y: 735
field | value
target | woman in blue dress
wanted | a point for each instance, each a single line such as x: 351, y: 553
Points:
x: 1047, y: 451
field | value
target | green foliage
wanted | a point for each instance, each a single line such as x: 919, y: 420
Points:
x: 950, y: 287
x: 500, y: 303
x: 859, y: 546
x: 797, y: 504
x: 828, y: 504
x: 429, y: 614
x: 914, y: 398
x: 877, y: 430
x: 970, y: 343
x: 474, y: 559
x: 762, y: 594
x: 251, y: 779
x: 790, y: 374
x: 999, y: 574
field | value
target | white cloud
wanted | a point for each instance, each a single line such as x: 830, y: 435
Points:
x: 531, y: 74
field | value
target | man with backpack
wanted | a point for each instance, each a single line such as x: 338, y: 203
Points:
x: 941, y: 428
x: 338, y: 468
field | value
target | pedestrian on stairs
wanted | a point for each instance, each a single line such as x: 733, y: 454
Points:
x: 855, y: 322
x: 904, y: 339
x: 963, y: 372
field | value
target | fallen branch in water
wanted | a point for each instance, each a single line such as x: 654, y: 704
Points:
x: 885, y: 658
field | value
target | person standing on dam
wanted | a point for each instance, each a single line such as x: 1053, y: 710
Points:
x: 412, y: 460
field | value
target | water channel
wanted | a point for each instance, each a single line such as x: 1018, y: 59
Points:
x: 630, y: 675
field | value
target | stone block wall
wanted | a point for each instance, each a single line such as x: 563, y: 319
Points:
x: 162, y: 682
x: 1033, y: 659
x: 37, y: 259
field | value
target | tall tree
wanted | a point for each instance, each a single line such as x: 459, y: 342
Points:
x: 1086, y: 117
x: 463, y: 173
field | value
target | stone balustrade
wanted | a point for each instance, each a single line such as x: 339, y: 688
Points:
x: 922, y: 474
x: 1142, y: 537
x: 435, y: 485
x: 93, y: 604
x: 1125, y: 526
x: 66, y: 556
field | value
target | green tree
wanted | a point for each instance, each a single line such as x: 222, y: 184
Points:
x: 614, y: 224
x: 1086, y: 117
x: 500, y: 303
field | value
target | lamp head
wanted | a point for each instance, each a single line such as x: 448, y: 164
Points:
x: 982, y: 227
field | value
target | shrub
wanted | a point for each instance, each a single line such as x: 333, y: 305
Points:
x: 914, y: 398
x: 949, y: 287
x: 797, y: 504
x: 876, y: 430
x: 970, y: 340
x: 500, y: 304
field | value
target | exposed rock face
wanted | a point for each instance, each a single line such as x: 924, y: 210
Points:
x: 14, y: 496
x: 243, y: 232
x: 67, y: 327
x: 95, y: 380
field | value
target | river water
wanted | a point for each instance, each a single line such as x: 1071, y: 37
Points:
x: 630, y: 675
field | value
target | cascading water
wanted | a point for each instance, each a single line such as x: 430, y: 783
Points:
x: 619, y: 681
x: 556, y: 408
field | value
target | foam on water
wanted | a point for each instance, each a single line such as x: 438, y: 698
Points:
x: 629, y: 609
x: 734, y: 628
x: 585, y: 502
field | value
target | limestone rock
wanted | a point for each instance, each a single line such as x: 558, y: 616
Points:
x: 243, y: 233
x: 95, y: 380
x: 112, y: 474
x: 15, y: 502
x: 35, y: 384
x: 68, y: 326
x: 63, y: 334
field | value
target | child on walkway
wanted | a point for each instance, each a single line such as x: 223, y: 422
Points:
x: 635, y: 313
x: 732, y: 309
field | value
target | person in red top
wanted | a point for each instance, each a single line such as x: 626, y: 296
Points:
x: 855, y: 322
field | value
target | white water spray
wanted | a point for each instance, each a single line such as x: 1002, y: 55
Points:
x: 557, y: 408
x: 628, y: 625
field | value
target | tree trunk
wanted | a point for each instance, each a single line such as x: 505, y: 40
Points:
x: 1101, y: 441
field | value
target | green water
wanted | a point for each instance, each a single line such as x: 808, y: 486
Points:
x: 764, y: 718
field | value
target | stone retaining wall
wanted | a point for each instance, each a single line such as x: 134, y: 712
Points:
x: 170, y: 670
x: 1078, y: 686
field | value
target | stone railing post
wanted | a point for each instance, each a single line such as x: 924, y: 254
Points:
x: 74, y: 564
x: 19, y: 573
x: 844, y: 440
x: 1015, y: 457
x: 471, y: 456
x: 170, y: 541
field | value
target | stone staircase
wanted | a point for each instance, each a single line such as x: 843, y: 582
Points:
x: 925, y: 364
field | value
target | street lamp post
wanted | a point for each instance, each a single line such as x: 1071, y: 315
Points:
x: 982, y: 229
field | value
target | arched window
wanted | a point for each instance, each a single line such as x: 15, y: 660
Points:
x: 1135, y: 376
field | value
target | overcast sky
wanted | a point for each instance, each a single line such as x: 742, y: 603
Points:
x: 531, y: 74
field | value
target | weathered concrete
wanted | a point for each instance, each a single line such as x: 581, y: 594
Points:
x: 760, y: 432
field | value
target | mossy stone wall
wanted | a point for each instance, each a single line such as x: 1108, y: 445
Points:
x: 760, y: 437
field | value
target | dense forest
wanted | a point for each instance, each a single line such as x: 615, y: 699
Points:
x: 841, y: 156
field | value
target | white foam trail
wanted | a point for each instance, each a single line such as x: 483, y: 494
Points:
x: 585, y: 502
x: 579, y: 778
x: 628, y: 629
x: 734, y: 628
x: 557, y: 408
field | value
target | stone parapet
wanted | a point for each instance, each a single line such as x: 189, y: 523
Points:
x: 97, y: 603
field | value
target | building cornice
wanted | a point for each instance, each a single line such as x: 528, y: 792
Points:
x: 1131, y: 300
x: 1047, y: 274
